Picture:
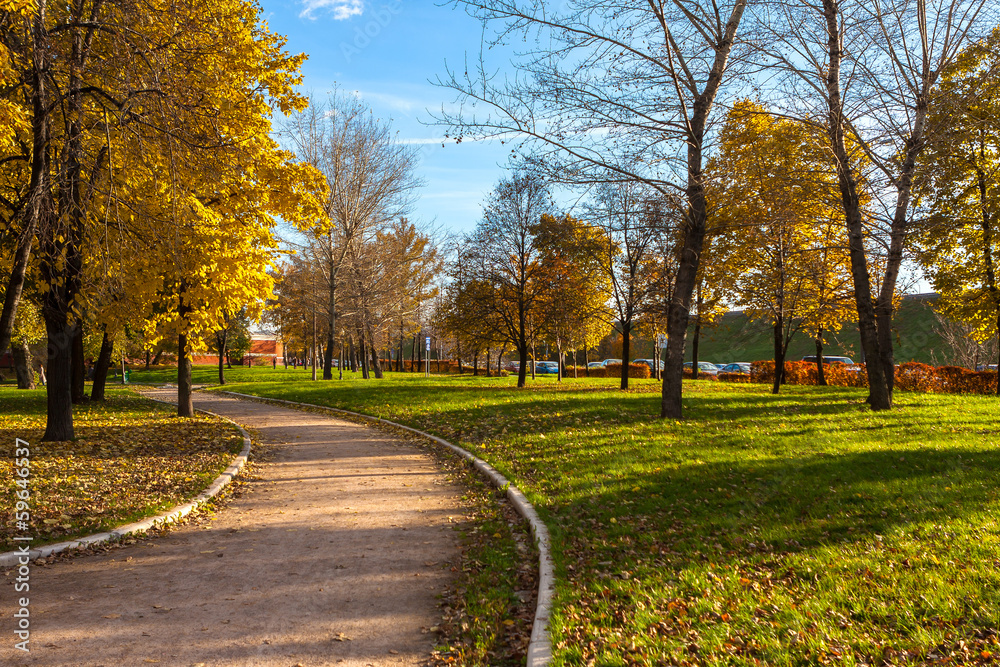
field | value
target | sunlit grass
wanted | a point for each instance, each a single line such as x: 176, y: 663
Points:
x: 781, y: 530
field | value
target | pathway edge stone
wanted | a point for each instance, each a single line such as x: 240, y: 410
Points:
x: 13, y: 558
x: 540, y: 645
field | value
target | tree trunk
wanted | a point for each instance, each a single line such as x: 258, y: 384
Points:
x: 156, y: 359
x: 15, y: 285
x: 626, y: 351
x: 884, y: 308
x: 376, y: 363
x: 694, y: 348
x: 559, y: 363
x: 779, y: 355
x: 102, y: 366
x: 185, y: 403
x: 363, y: 356
x: 534, y: 357
x: 399, y: 357
x: 488, y: 369
x: 522, y: 369
x: 331, y: 323
x: 671, y: 406
x: 314, y: 356
x: 222, y: 342
x: 820, y: 370
x: 79, y: 377
x: 503, y: 350
x: 879, y: 396
x: 694, y: 227
x: 59, y: 398
x: 475, y: 365
x: 22, y: 365
x: 998, y: 353
x: 147, y: 358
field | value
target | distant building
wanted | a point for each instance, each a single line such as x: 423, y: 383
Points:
x: 266, y: 346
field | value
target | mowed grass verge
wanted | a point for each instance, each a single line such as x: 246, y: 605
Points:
x: 781, y: 530
x: 131, y: 459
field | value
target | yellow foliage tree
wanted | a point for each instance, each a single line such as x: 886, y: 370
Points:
x: 152, y: 179
x: 777, y: 195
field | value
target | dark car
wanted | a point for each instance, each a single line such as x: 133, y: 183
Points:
x: 741, y: 367
x: 649, y: 362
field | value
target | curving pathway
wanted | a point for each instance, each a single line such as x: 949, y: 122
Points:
x: 334, y: 557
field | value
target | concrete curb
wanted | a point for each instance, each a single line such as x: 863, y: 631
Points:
x: 540, y: 646
x: 13, y: 558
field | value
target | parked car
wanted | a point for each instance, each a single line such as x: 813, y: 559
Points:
x: 547, y: 368
x: 609, y: 362
x: 704, y: 367
x: 741, y: 367
x: 512, y: 366
x: 986, y: 367
x: 649, y: 362
x: 847, y: 361
x: 595, y: 364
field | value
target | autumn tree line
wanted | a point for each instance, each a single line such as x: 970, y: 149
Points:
x: 788, y: 157
x: 891, y: 104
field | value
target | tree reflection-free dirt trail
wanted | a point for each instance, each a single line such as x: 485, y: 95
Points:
x: 334, y: 557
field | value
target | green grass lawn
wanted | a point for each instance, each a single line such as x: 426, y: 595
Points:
x: 131, y: 458
x: 782, y: 530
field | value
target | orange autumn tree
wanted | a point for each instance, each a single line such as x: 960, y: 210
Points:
x: 776, y: 190
x: 575, y: 291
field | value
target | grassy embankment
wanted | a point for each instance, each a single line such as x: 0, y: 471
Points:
x: 735, y: 337
x: 780, y: 530
x: 132, y: 458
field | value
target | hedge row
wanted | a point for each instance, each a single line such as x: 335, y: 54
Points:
x: 911, y: 376
x: 639, y: 371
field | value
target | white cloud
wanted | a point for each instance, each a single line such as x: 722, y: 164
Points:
x: 340, y: 9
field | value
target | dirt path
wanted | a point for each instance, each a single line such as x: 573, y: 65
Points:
x: 334, y: 557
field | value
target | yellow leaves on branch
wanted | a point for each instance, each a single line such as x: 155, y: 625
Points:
x: 20, y: 7
x: 204, y: 177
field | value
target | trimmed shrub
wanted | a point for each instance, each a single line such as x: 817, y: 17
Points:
x: 908, y: 377
x: 639, y: 371
x: 914, y: 376
x: 689, y: 375
x: 804, y: 372
x: 739, y: 378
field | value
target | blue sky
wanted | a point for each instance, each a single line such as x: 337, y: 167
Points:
x: 390, y: 51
